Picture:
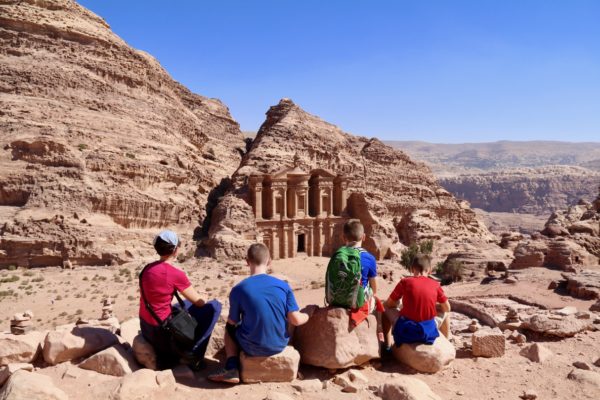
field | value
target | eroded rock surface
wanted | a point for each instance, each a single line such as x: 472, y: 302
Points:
x: 98, y: 141
x: 327, y: 339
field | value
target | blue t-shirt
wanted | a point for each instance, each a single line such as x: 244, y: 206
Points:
x: 260, y: 305
x: 369, y: 267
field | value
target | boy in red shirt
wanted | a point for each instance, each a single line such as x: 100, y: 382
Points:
x: 417, y: 320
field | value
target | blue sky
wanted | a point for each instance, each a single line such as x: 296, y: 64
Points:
x: 442, y: 71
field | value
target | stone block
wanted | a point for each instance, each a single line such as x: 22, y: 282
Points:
x: 488, y: 343
x: 424, y: 357
x: 282, y: 367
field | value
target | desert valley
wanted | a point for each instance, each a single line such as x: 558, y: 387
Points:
x: 100, y: 149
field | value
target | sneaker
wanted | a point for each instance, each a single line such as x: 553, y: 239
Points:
x: 226, y: 375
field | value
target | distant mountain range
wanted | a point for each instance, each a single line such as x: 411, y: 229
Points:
x: 450, y: 159
x: 535, y: 177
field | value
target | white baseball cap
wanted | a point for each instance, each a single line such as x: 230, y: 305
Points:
x: 168, y: 236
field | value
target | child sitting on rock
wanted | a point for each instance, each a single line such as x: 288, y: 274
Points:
x: 159, y: 281
x: 417, y: 320
x: 351, y: 279
x: 260, y: 308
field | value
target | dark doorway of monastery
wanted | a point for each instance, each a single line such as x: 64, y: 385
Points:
x: 301, y: 247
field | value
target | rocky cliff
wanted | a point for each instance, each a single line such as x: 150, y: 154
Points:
x: 98, y: 143
x: 525, y: 190
x: 398, y: 199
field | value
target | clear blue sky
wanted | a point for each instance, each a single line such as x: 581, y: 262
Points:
x: 441, y: 71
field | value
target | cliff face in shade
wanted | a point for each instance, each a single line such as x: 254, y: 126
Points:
x: 98, y: 144
x: 397, y: 199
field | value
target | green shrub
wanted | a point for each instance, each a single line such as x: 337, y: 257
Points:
x: 409, y: 254
x: 8, y: 279
x: 451, y: 271
x: 82, y: 146
x: 11, y: 267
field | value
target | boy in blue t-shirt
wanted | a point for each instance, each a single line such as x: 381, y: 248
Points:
x: 354, y: 234
x: 260, y: 308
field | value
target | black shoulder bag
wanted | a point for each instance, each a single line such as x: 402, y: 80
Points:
x: 180, y: 324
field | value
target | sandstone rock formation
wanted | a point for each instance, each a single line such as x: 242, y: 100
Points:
x: 406, y: 388
x: 569, y: 240
x: 282, y: 367
x: 424, y: 357
x: 114, y: 361
x: 488, y: 343
x: 32, y: 386
x: 327, y: 339
x: 584, y: 285
x: 98, y: 141
x: 60, y: 346
x: 20, y: 348
x: 398, y: 200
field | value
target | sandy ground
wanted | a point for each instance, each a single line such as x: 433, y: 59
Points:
x: 59, y: 296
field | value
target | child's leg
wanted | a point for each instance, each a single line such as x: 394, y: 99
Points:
x: 389, y: 319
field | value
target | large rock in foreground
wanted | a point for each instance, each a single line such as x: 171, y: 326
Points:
x: 406, y: 388
x: 20, y: 348
x: 328, y: 340
x: 424, y: 357
x: 282, y: 367
x: 61, y: 346
x: 144, y: 384
x: 112, y: 361
x: 24, y: 385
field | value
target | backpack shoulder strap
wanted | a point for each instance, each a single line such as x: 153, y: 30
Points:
x: 146, y: 303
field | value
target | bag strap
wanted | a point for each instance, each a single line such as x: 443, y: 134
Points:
x: 146, y: 303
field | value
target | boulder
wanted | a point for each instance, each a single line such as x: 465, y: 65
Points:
x: 556, y: 325
x: 282, y: 367
x: 60, y: 346
x: 328, y: 340
x: 143, y: 384
x: 406, y: 388
x: 20, y: 348
x: 144, y: 352
x: 585, y: 377
x: 112, y: 361
x: 7, y: 370
x: 426, y: 358
x: 537, y: 353
x: 31, y: 386
x: 488, y: 343
x: 129, y: 330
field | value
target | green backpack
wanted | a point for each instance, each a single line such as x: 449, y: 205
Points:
x: 343, y: 279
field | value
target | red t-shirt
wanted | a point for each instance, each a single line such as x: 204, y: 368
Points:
x: 160, y: 280
x: 419, y: 295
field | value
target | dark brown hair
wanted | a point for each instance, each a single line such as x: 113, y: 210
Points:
x: 258, y: 254
x: 353, y: 230
x: 163, y: 248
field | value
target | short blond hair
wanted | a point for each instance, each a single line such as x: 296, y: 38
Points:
x: 353, y: 230
x: 258, y: 254
x: 421, y: 263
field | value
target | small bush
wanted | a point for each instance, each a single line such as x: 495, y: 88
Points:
x: 451, y: 271
x: 27, y: 273
x: 409, y: 254
x: 38, y: 279
x: 12, y: 278
x: 12, y: 267
x: 82, y: 146
x: 130, y: 155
